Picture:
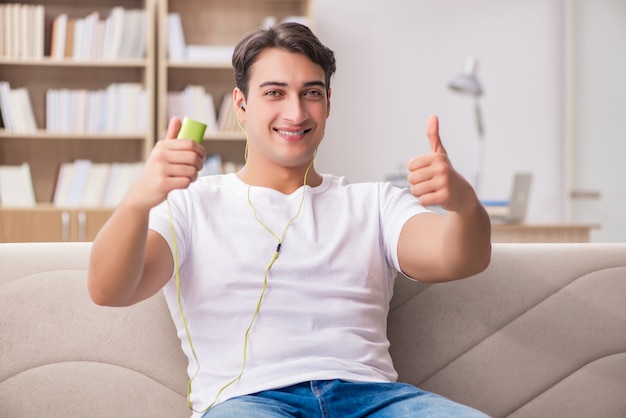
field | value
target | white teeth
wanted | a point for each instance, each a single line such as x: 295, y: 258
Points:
x: 290, y: 133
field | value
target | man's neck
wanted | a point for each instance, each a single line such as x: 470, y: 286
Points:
x: 284, y: 180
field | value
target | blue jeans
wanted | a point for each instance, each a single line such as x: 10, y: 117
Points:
x: 339, y: 399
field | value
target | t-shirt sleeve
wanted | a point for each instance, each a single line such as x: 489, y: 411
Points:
x: 397, y: 205
x: 169, y: 218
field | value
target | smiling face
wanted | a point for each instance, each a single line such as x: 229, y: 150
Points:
x: 285, y: 110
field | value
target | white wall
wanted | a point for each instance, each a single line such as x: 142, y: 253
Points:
x: 598, y: 125
x: 395, y: 58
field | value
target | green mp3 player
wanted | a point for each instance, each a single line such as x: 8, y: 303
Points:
x: 192, y: 129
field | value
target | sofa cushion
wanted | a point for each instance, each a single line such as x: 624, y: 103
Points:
x: 63, y: 355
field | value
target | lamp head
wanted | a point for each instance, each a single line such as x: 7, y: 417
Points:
x: 467, y: 82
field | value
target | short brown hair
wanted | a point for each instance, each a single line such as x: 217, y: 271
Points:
x: 293, y: 37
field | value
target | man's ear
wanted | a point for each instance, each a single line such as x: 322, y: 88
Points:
x: 239, y: 102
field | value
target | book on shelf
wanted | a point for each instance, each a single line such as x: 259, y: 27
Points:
x: 96, y: 184
x: 58, y: 36
x: 39, y: 31
x: 227, y: 118
x: 16, y: 109
x: 120, y: 35
x: 5, y: 106
x: 119, y: 108
x: 176, y: 47
x: 121, y: 177
x: 62, y: 185
x: 16, y: 186
x: 2, y: 28
x: 68, y: 49
x: 195, y: 102
x: 83, y: 183
x: 89, y: 37
x: 22, y: 30
x: 77, y: 185
x: 214, y: 165
x: 113, y: 33
x: 25, y: 118
x: 134, y: 44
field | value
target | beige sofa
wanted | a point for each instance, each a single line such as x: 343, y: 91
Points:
x: 541, y: 333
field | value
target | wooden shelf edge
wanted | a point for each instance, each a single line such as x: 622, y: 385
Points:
x: 49, y: 207
x: 199, y: 65
x: 72, y: 63
x: 45, y: 135
x: 225, y: 136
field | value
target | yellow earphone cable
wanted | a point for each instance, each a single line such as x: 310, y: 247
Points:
x: 180, y: 306
x: 264, y: 288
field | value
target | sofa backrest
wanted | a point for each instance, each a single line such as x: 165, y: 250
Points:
x: 63, y: 356
x: 540, y: 333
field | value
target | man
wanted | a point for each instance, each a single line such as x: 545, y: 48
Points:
x: 278, y: 277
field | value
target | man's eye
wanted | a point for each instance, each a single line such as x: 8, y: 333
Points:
x: 272, y: 93
x: 313, y: 93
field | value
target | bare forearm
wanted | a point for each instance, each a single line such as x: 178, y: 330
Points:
x: 117, y: 256
x: 435, y: 248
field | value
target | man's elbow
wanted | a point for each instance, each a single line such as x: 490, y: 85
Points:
x: 482, y: 262
x: 476, y: 264
x: 99, y: 295
x: 99, y: 299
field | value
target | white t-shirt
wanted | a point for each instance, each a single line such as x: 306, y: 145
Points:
x: 324, y: 312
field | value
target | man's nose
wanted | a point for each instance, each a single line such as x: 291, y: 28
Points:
x: 294, y: 110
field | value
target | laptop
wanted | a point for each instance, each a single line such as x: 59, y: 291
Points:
x: 514, y: 209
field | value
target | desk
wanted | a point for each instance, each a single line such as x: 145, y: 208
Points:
x: 541, y: 232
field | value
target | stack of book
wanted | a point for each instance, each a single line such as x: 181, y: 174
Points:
x: 194, y: 102
x: 22, y: 31
x: 120, y: 108
x: 227, y: 118
x: 16, y: 109
x: 83, y: 183
x: 16, y: 186
x: 214, y: 165
x: 120, y: 35
x: 197, y: 103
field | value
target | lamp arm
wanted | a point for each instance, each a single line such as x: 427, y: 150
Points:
x: 479, y: 120
x: 480, y: 152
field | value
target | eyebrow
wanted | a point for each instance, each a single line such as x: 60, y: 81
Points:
x: 281, y: 84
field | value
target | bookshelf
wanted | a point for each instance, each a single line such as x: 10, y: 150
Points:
x: 63, y: 137
x: 46, y: 223
x: 204, y: 23
x: 212, y: 27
